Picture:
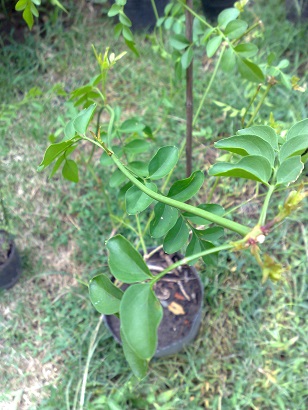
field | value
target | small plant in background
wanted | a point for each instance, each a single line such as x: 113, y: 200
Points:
x: 256, y: 153
x: 29, y: 9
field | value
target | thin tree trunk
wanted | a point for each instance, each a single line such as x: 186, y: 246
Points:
x: 189, y: 93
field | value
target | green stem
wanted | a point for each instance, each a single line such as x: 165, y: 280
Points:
x: 247, y: 31
x: 265, y: 205
x: 250, y: 104
x: 91, y: 350
x: 209, y: 85
x: 144, y: 248
x: 196, y: 15
x: 121, y: 222
x: 254, y: 114
x: 96, y: 133
x: 99, y: 144
x: 110, y: 125
x: 188, y: 259
x: 226, y: 223
x: 211, y: 193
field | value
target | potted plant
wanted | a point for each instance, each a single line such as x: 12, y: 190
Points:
x: 10, y: 264
x: 180, y: 294
x: 256, y: 153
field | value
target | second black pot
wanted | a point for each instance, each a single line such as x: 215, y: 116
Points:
x: 213, y: 8
x: 10, y: 270
x: 141, y: 13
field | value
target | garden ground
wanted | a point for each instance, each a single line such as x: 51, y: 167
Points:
x: 55, y: 351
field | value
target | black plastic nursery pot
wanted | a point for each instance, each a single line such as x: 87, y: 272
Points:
x: 297, y: 10
x: 212, y: 8
x: 10, y: 268
x: 181, y: 294
x: 141, y: 13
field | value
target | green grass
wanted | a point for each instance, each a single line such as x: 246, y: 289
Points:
x: 250, y: 352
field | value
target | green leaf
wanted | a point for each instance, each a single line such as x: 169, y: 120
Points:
x: 139, y: 366
x: 197, y: 245
x: 299, y: 128
x: 28, y: 16
x: 137, y: 201
x: 106, y: 159
x: 55, y: 2
x: 206, y: 34
x: 212, y: 258
x: 104, y: 295
x: 265, y: 132
x: 117, y: 178
x: 127, y: 34
x: 140, y: 314
x: 125, y: 20
x: 163, y: 162
x: 252, y: 167
x: 21, y: 5
x: 125, y: 263
x: 213, y: 45
x: 179, y: 42
x: 70, y: 170
x: 123, y: 190
x: 139, y: 168
x: 193, y: 248
x: 213, y: 208
x: 57, y: 165
x: 235, y: 29
x: 69, y: 131
x: 81, y: 122
x: 118, y: 30
x: 52, y: 152
x: 78, y: 92
x: 131, y: 125
x: 210, y: 234
x: 132, y: 46
x: 186, y: 188
x: 169, y: 22
x: 246, y: 49
x: 176, y: 237
x: 289, y: 170
x: 136, y: 146
x: 247, y: 145
x: 165, y: 218
x: 285, y: 80
x: 226, y: 16
x: 186, y: 58
x: 294, y: 146
x: 228, y: 61
x: 34, y: 10
x: 114, y: 10
x: 250, y: 71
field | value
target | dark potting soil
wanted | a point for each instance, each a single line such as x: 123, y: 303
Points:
x: 180, y: 294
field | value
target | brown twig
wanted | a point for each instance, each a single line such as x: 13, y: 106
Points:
x: 189, y: 93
